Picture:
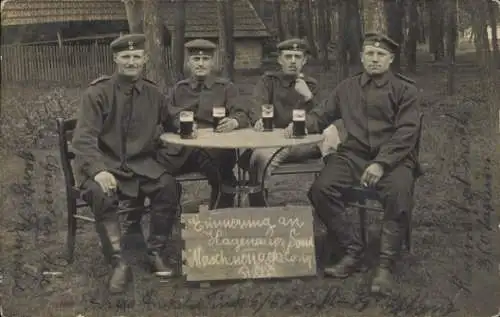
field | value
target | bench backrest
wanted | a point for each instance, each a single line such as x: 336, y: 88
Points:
x: 65, y: 130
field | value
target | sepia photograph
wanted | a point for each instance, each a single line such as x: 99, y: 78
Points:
x: 237, y: 158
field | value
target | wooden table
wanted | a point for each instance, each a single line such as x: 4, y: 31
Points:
x: 241, y: 139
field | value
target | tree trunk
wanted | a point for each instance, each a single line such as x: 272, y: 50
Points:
x: 353, y: 35
x: 395, y: 12
x: 180, y: 28
x: 323, y: 33
x: 156, y: 68
x: 308, y: 26
x: 228, y: 6
x: 374, y: 16
x: 300, y: 18
x: 436, y: 32
x: 342, y: 64
x: 413, y: 35
x: 278, y: 19
x: 492, y: 11
x: 221, y: 53
x: 451, y: 43
x: 133, y: 9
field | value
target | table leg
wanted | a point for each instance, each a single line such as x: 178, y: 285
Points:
x: 240, y: 180
x: 264, y: 174
x: 220, y: 187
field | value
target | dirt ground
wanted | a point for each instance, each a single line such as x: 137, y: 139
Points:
x: 451, y: 271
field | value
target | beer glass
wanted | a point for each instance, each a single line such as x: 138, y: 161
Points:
x: 267, y: 117
x: 217, y: 114
x: 299, y: 123
x: 186, y: 120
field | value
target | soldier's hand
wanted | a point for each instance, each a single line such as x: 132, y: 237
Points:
x: 107, y: 181
x: 302, y: 88
x: 289, y: 130
x: 259, y: 125
x: 372, y: 175
x: 227, y: 125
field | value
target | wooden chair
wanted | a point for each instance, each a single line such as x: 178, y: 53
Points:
x: 358, y: 197
x: 74, y: 200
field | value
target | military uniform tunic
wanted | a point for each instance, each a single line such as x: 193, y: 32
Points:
x: 114, y: 131
x: 278, y: 89
x: 381, y: 118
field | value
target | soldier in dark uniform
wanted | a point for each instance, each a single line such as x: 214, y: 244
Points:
x: 200, y: 93
x: 285, y: 90
x: 115, y: 141
x: 380, y: 110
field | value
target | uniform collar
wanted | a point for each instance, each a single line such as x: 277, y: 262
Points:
x: 379, y: 81
x: 124, y: 84
x: 207, y: 82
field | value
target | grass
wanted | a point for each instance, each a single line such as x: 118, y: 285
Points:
x: 449, y: 273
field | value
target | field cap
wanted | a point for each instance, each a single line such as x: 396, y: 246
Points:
x: 380, y: 40
x: 200, y: 47
x: 128, y: 42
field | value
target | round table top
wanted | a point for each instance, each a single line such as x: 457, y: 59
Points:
x: 240, y: 138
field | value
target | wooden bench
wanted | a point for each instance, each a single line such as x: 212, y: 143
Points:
x: 358, y: 197
x: 74, y: 200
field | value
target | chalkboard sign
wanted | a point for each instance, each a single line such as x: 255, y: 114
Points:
x: 248, y: 243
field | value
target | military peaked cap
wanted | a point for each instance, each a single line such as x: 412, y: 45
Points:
x: 128, y: 42
x: 200, y: 47
x: 294, y: 44
x: 380, y: 40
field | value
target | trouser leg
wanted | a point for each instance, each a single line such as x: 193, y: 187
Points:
x: 217, y: 165
x: 326, y: 195
x: 396, y: 189
x: 108, y: 228
x: 164, y: 195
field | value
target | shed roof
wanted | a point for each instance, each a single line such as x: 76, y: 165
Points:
x: 201, y: 15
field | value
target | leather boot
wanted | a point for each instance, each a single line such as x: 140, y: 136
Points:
x: 161, y: 225
x: 109, y: 232
x: 390, y: 246
x: 350, y: 263
x: 258, y: 199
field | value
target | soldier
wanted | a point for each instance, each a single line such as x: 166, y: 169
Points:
x: 380, y: 110
x: 200, y: 93
x: 115, y: 140
x: 285, y: 90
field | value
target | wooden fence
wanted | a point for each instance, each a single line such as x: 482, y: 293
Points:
x: 66, y: 64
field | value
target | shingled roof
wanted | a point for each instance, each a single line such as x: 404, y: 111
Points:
x: 201, y: 15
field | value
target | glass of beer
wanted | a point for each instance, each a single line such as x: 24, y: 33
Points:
x: 186, y: 120
x: 267, y: 117
x: 299, y: 123
x: 218, y: 113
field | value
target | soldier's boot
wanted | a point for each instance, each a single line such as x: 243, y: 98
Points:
x: 351, y: 262
x: 161, y: 225
x: 258, y: 199
x: 109, y: 232
x: 390, y: 246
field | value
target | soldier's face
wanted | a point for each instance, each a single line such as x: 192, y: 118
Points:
x: 130, y: 63
x: 200, y: 65
x: 292, y: 62
x: 376, y: 60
